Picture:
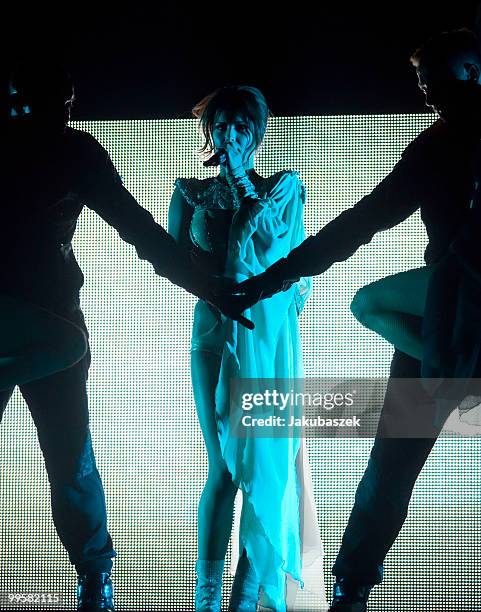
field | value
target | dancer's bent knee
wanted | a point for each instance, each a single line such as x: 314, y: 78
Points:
x: 364, y: 306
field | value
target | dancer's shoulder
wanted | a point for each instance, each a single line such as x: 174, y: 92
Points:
x: 83, y: 139
x: 86, y: 147
x: 431, y: 141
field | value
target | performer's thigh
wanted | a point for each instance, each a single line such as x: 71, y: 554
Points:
x: 205, y: 368
x: 61, y: 399
x: 404, y: 292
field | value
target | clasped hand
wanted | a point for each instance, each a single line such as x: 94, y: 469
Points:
x: 233, y: 298
x: 221, y: 296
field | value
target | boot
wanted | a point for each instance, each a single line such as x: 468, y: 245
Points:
x: 348, y: 597
x: 95, y: 592
x: 245, y: 589
x: 208, y: 585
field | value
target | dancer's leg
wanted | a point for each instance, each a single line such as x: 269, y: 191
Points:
x: 393, y: 307
x: 384, y: 492
x: 216, y: 504
x: 59, y: 407
x: 35, y: 342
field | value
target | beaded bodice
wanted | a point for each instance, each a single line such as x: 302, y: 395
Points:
x: 209, y: 227
x: 214, y: 205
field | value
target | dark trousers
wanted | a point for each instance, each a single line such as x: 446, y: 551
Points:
x: 384, y: 492
x: 58, y: 405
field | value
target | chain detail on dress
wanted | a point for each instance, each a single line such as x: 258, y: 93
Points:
x: 217, y: 194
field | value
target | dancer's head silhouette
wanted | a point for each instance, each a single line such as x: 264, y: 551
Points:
x: 449, y: 74
x: 41, y: 94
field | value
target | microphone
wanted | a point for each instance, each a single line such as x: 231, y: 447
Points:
x: 218, y: 157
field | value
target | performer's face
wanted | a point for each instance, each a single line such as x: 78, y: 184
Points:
x: 450, y: 89
x: 235, y: 129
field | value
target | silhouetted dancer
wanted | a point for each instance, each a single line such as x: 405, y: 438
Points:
x: 438, y: 173
x: 51, y: 171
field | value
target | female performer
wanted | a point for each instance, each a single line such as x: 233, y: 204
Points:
x: 236, y: 225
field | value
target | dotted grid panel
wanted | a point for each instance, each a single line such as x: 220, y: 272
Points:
x: 146, y: 436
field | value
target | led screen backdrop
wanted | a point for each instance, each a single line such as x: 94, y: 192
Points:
x: 147, y: 440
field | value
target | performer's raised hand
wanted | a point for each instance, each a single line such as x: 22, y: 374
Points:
x: 232, y: 159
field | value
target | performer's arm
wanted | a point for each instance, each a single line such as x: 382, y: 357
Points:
x: 180, y: 216
x: 263, y: 215
x: 251, y: 204
x: 465, y: 244
x: 272, y: 218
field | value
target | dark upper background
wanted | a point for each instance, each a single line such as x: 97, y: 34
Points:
x: 146, y: 63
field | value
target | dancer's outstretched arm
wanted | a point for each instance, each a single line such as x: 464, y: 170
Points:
x: 390, y: 203
x: 105, y: 193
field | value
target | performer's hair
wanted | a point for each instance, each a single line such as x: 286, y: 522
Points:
x: 243, y: 100
x: 444, y: 46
